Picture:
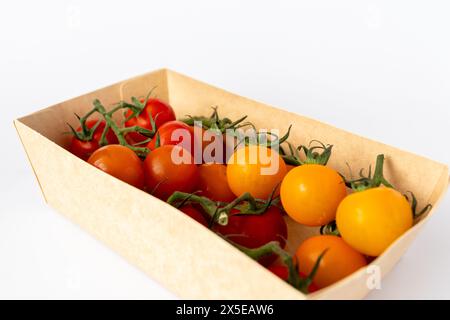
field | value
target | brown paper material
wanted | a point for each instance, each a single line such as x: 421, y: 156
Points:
x: 163, y: 242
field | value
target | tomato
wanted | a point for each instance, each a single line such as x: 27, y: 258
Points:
x: 339, y: 261
x: 174, y: 133
x: 254, y: 231
x: 165, y: 174
x: 255, y: 169
x: 120, y: 162
x: 282, y: 272
x: 290, y: 167
x: 311, y: 193
x: 84, y: 149
x: 160, y: 112
x: 217, y: 147
x: 370, y: 221
x: 213, y: 182
x: 194, y: 214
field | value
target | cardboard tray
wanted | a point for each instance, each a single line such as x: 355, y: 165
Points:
x: 181, y: 254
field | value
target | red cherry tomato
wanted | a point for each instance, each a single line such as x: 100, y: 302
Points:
x: 160, y: 112
x: 254, y: 231
x: 84, y: 149
x: 194, y: 214
x: 282, y: 272
x: 164, y: 174
x: 174, y: 133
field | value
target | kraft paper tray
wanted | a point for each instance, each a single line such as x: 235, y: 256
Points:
x: 171, y: 248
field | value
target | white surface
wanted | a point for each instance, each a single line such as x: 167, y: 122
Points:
x: 377, y: 68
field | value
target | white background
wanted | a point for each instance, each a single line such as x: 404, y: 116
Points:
x: 377, y: 68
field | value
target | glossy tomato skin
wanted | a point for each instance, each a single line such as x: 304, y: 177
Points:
x: 194, y: 214
x: 254, y: 231
x: 164, y: 176
x: 213, y: 182
x: 370, y: 221
x: 159, y: 110
x: 311, y: 194
x: 339, y: 261
x: 174, y: 133
x: 84, y: 149
x: 255, y: 169
x: 120, y: 162
x: 282, y: 272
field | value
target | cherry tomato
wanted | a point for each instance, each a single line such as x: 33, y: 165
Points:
x: 213, y: 182
x: 194, y: 214
x: 370, y: 221
x: 290, y: 167
x: 216, y: 147
x: 84, y: 149
x: 339, y: 261
x: 255, y: 169
x: 120, y: 162
x: 254, y: 231
x: 160, y: 112
x: 174, y: 133
x: 282, y: 272
x: 311, y: 193
x: 165, y: 173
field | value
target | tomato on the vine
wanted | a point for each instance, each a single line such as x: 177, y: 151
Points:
x: 160, y: 111
x: 311, y: 193
x: 168, y: 169
x: 195, y: 214
x: 371, y: 220
x: 83, y: 148
x: 255, y: 230
x: 282, y: 272
x: 120, y: 162
x: 213, y: 182
x: 255, y: 169
x: 339, y: 261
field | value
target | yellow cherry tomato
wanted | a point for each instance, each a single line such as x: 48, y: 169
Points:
x: 255, y: 169
x: 311, y: 193
x: 370, y: 221
x: 339, y: 261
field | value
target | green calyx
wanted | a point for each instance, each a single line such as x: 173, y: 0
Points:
x: 417, y: 214
x: 330, y: 229
x: 225, y: 125
x: 219, y: 212
x: 315, y: 153
x: 86, y: 133
x: 137, y: 107
x: 294, y: 278
x: 370, y: 181
x: 214, y: 122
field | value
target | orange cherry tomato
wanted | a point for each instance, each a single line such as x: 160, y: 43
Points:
x: 213, y: 182
x: 370, y: 221
x: 255, y: 169
x: 339, y: 261
x: 120, y: 162
x: 311, y: 193
x: 165, y: 173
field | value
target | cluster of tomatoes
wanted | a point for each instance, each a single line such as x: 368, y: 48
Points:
x: 246, y: 194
